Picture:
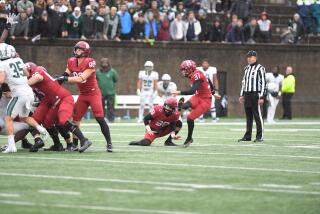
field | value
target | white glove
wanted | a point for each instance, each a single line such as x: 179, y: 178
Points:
x: 11, y: 19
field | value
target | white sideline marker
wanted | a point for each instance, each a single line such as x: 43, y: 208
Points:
x: 175, y: 189
x: 119, y: 190
x: 57, y: 192
x: 90, y: 207
x: 281, y: 186
x: 9, y: 195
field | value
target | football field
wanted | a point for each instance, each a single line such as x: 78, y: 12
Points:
x: 214, y: 175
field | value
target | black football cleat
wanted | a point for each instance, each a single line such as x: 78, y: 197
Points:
x: 71, y: 148
x: 170, y: 143
x: 37, y: 145
x: 244, y: 139
x: 25, y: 144
x: 85, y: 145
x: 187, y: 143
x: 135, y: 143
x: 180, y: 103
x: 258, y: 140
x: 55, y: 148
x: 109, y: 147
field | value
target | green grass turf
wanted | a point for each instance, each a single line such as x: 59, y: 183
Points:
x: 215, y: 175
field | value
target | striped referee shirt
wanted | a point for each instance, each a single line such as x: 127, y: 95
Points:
x: 254, y: 79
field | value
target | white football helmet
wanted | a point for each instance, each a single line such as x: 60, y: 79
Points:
x: 7, y: 51
x: 148, y: 66
x: 166, y: 77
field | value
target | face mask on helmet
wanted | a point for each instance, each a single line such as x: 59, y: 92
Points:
x: 168, y: 110
x: 148, y: 68
x: 78, y: 52
x: 166, y: 84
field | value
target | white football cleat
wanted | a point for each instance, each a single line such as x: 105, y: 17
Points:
x: 3, y: 147
x: 10, y: 149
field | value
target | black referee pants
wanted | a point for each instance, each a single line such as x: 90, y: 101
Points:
x: 253, y: 110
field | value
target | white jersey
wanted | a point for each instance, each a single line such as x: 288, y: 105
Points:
x: 147, y: 80
x: 166, y: 91
x: 15, y: 77
x: 274, y: 82
x: 209, y: 72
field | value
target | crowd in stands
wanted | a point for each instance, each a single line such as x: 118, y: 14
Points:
x: 149, y: 20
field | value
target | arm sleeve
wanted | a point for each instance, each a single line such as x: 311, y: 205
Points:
x: 147, y: 118
x: 242, y: 86
x: 213, y: 89
x: 262, y: 75
x: 193, y: 89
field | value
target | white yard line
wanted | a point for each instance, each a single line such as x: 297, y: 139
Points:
x: 91, y: 207
x: 281, y: 130
x: 315, y: 183
x: 175, y: 189
x: 57, y: 192
x: 281, y: 186
x: 119, y: 190
x: 295, y: 171
x: 211, y: 153
x: 9, y: 195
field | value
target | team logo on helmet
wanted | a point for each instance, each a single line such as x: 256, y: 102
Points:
x: 84, y: 46
x: 187, y: 67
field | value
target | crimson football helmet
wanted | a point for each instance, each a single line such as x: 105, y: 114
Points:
x: 84, y: 46
x: 30, y: 66
x: 170, y: 105
x: 187, y: 67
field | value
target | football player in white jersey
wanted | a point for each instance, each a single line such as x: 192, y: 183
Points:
x: 165, y: 87
x: 12, y: 72
x: 211, y: 73
x: 147, y: 87
x: 274, y: 81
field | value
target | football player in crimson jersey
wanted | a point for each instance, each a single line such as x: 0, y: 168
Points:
x: 200, y: 102
x: 56, y: 106
x: 81, y: 70
x: 161, y: 121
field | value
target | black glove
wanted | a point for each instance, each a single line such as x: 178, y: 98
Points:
x: 274, y: 94
x: 61, y: 79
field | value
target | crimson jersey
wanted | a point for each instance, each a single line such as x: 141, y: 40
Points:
x: 204, y: 90
x: 48, y: 87
x: 90, y: 85
x: 160, y: 120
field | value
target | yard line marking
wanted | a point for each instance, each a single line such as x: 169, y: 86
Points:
x: 166, y: 164
x: 157, y: 183
x: 213, y: 124
x: 119, y: 190
x: 305, y: 147
x: 175, y: 189
x: 282, y: 130
x: 211, y: 153
x: 57, y: 192
x: 281, y: 186
x: 9, y: 195
x: 315, y: 183
x: 91, y: 207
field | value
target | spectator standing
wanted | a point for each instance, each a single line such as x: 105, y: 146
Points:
x: 75, y: 24
x: 39, y: 6
x: 107, y: 78
x: 294, y: 32
x: 315, y: 10
x: 204, y: 35
x: 192, y: 28
x: 216, y: 32
x: 138, y: 29
x: 167, y: 9
x: 265, y: 27
x: 176, y: 28
x: 164, y: 34
x: 192, y: 5
x: 288, y: 90
x: 113, y: 25
x: 242, y: 8
x: 23, y: 5
x: 56, y: 22
x: 126, y: 23
x: 209, y: 5
x: 42, y: 26
x: 62, y: 8
x: 304, y: 10
x: 274, y: 81
x: 251, y: 32
x: 89, y: 27
x: 181, y: 9
x: 3, y: 15
x: 154, y: 10
x: 150, y: 29
x: 22, y: 26
x: 100, y: 22
x: 235, y: 35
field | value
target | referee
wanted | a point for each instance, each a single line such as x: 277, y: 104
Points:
x: 252, y: 92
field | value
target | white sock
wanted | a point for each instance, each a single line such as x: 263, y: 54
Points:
x: 41, y: 129
x: 11, y: 141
